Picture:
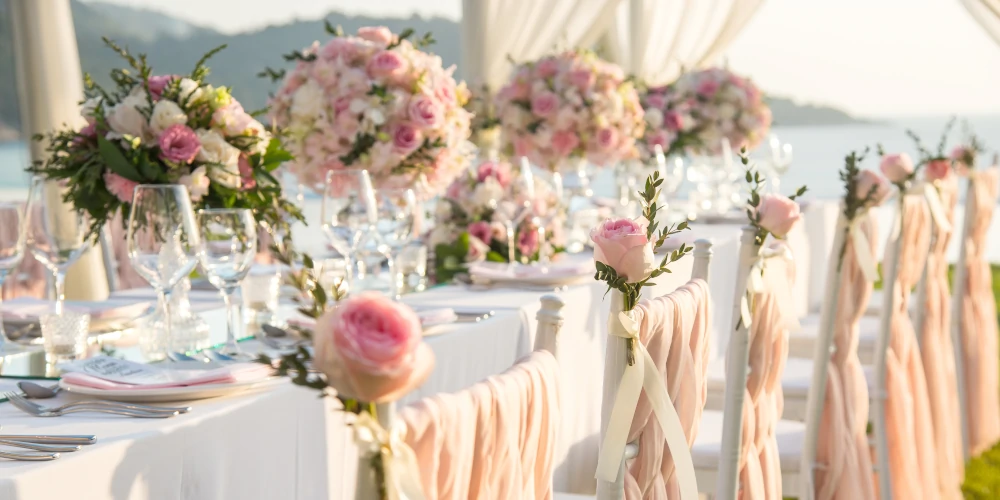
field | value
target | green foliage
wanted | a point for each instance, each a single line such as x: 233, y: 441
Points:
x: 853, y: 204
x: 757, y: 183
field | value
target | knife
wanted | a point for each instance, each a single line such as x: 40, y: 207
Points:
x: 57, y: 439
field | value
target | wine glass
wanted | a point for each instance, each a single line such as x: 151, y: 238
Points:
x: 780, y: 161
x: 162, y: 239
x: 349, y: 212
x: 58, y: 237
x: 13, y: 228
x: 397, y: 215
x: 672, y: 173
x: 228, y: 247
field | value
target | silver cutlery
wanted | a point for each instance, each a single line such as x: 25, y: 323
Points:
x: 40, y: 411
x: 53, y: 439
x: 32, y: 390
x: 51, y: 448
x: 29, y: 456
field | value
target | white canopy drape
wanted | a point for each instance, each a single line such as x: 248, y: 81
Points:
x: 497, y: 31
x: 656, y: 40
x: 987, y: 14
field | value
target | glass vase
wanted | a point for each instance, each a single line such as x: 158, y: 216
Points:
x: 189, y: 332
x: 572, y: 184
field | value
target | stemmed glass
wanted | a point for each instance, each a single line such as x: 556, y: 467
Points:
x: 397, y: 215
x: 781, y: 160
x: 672, y: 173
x: 162, y: 239
x: 348, y: 213
x: 227, y: 249
x: 13, y: 226
x: 58, y: 237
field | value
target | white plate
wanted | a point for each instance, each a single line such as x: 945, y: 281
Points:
x: 189, y: 393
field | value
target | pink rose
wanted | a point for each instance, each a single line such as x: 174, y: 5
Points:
x: 515, y: 91
x: 477, y: 250
x: 547, y: 68
x: 86, y: 134
x: 387, y: 64
x: 868, y: 180
x: 406, y: 138
x: 370, y: 348
x: 622, y: 244
x: 937, y: 170
x: 582, y: 79
x: 377, y: 34
x: 964, y: 157
x: 339, y: 47
x: 498, y: 231
x: 897, y: 167
x: 607, y: 139
x: 708, y: 88
x: 545, y: 104
x: 522, y: 146
x: 495, y: 169
x: 426, y: 112
x: 122, y: 188
x: 481, y: 230
x: 179, y: 144
x: 246, y: 174
x: 158, y: 83
x: 673, y: 121
x: 527, y: 241
x: 655, y: 101
x: 564, y: 142
x: 778, y: 214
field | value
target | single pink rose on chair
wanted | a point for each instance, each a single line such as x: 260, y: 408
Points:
x: 371, y: 348
x: 868, y: 180
x: 897, y: 167
x: 778, y: 214
x: 937, y: 170
x: 623, y: 245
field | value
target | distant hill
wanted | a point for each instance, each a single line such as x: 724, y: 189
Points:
x: 174, y: 45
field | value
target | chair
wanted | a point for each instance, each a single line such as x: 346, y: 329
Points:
x: 467, y: 416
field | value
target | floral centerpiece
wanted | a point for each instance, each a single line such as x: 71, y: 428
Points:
x: 485, y: 125
x: 166, y: 129
x: 472, y: 220
x: 567, y: 106
x: 694, y: 114
x: 375, y: 101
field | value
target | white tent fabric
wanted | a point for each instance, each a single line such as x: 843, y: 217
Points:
x: 657, y: 40
x: 987, y: 14
x: 494, y: 32
x: 50, y: 87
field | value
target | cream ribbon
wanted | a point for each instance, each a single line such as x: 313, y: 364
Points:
x: 862, y: 248
x: 933, y: 204
x: 639, y: 376
x: 756, y: 285
x: 399, y: 463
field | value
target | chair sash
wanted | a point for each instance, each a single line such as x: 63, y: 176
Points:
x: 493, y: 440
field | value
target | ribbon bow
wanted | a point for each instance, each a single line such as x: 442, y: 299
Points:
x: 399, y: 463
x: 933, y: 204
x: 756, y: 285
x: 639, y: 376
x: 862, y: 248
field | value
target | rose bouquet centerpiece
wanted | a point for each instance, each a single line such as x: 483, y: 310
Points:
x: 375, y: 101
x: 694, y: 114
x: 570, y: 106
x: 166, y: 129
x: 485, y: 125
x: 493, y: 215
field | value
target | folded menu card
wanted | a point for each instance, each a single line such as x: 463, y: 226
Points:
x: 103, y: 372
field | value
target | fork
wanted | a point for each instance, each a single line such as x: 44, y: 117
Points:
x: 40, y: 411
x: 117, y: 405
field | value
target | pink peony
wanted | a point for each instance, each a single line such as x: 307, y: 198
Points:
x: 495, y: 169
x: 158, y: 83
x: 426, y: 112
x: 527, y: 241
x: 545, y: 104
x: 937, y: 170
x: 406, y: 138
x: 387, y: 64
x: 179, y: 144
x: 607, y: 139
x: 564, y: 142
x: 122, y: 188
x: 247, y: 180
x: 778, y: 214
x: 623, y: 245
x: 897, y: 167
x: 370, y: 348
x: 377, y: 34
x: 582, y: 79
x: 481, y: 230
x: 868, y: 180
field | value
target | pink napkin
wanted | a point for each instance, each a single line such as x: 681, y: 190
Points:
x: 502, y: 271
x: 115, y: 374
x: 30, y: 308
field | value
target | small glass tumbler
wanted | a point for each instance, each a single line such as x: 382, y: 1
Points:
x: 334, y: 271
x: 261, y: 291
x: 65, y: 336
x: 412, y: 265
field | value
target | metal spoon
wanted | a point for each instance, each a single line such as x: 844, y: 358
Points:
x: 38, y: 391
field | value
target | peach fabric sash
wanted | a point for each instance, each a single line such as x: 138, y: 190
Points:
x: 772, y: 313
x: 843, y: 458
x: 938, y: 354
x: 909, y: 428
x: 979, y: 321
x: 675, y: 329
x: 493, y: 440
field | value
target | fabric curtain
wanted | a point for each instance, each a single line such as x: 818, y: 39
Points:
x: 496, y: 32
x: 987, y: 14
x: 657, y: 40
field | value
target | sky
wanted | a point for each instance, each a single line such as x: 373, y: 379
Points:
x: 872, y: 58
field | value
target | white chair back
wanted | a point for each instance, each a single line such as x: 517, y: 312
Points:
x: 737, y: 359
x: 957, y: 286
x: 702, y: 259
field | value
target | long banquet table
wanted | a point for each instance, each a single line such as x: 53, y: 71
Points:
x: 284, y: 442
